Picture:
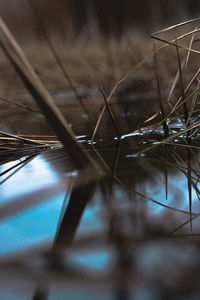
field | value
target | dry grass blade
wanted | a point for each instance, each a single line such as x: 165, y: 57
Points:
x: 20, y: 105
x: 152, y: 117
x: 165, y: 127
x: 16, y: 56
x: 110, y: 112
x: 174, y: 83
x: 116, y: 159
x: 176, y: 26
x: 57, y: 59
x: 189, y: 179
x: 190, y: 47
x: 194, y: 100
x: 44, y: 139
x: 182, y: 85
x: 166, y: 171
x: 20, y: 139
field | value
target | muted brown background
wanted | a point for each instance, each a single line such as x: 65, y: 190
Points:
x: 112, y: 17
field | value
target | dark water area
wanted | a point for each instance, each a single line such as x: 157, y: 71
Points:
x: 136, y: 237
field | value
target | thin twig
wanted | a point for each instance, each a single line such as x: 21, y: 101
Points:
x: 57, y: 59
x: 19, y: 105
x: 110, y: 112
x: 165, y: 127
x: 182, y: 85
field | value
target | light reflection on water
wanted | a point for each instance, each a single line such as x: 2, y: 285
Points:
x: 32, y: 226
x: 39, y: 224
x: 35, y: 175
x: 177, y: 196
x: 95, y: 260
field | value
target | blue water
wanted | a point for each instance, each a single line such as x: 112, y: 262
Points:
x: 38, y: 225
x: 40, y: 222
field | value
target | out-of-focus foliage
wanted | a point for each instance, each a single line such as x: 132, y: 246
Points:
x: 110, y: 16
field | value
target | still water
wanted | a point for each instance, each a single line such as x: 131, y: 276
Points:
x: 136, y: 238
x: 44, y: 182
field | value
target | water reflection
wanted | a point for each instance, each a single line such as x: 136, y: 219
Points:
x: 113, y: 232
x: 177, y: 196
x: 43, y: 171
x: 96, y: 261
x: 35, y: 175
x: 31, y: 227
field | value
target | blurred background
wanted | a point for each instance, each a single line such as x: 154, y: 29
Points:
x: 95, y: 40
x: 69, y: 18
